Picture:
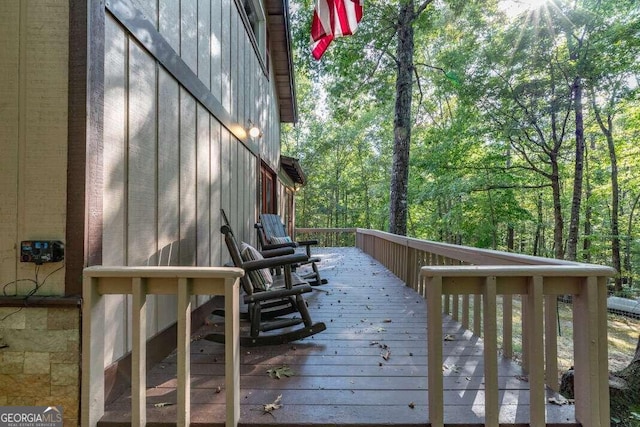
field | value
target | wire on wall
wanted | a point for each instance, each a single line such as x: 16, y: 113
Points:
x: 37, y: 285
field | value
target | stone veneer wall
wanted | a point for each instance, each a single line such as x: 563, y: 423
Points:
x: 40, y: 358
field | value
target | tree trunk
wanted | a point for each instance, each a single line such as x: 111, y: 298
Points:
x: 558, y: 228
x: 615, y: 209
x: 607, y: 131
x: 574, y: 224
x: 537, y: 241
x: 636, y: 356
x: 402, y: 120
x: 627, y: 259
x: 510, y: 238
x: 586, y: 243
x: 625, y: 391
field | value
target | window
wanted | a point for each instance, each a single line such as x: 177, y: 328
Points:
x: 255, y: 22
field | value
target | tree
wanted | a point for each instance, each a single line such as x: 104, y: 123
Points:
x: 529, y: 104
x: 407, y: 15
x: 498, y: 111
x: 613, y: 63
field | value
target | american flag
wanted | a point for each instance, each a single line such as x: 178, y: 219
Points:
x: 331, y: 19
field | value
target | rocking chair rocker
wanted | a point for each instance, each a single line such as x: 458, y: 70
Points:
x: 268, y: 298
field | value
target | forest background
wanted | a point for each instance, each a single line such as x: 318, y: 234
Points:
x: 524, y: 130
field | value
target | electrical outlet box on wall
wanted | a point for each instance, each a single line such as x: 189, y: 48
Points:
x: 41, y: 251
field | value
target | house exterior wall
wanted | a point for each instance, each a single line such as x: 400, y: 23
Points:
x: 33, y: 136
x: 39, y: 346
x: 178, y: 100
x: 173, y: 151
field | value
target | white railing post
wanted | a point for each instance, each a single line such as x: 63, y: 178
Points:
x: 535, y: 344
x: 477, y: 315
x: 524, y: 327
x: 232, y: 350
x: 184, y: 352
x: 551, y: 341
x: 93, y: 329
x: 465, y: 311
x: 603, y: 352
x: 507, y: 326
x: 434, y: 350
x: 491, y: 399
x: 139, y: 353
x: 588, y: 354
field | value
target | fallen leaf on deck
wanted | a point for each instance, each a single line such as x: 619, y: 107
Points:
x: 560, y: 401
x: 449, y: 337
x: 270, y: 407
x: 374, y: 343
x: 386, y: 321
x: 278, y: 373
x: 412, y: 405
x: 163, y: 404
x: 386, y: 355
x: 522, y: 378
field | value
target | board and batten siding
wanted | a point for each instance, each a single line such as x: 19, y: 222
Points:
x: 182, y: 81
x: 33, y: 138
x: 40, y: 341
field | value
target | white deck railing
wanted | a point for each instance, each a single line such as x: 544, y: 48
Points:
x: 539, y: 287
x: 449, y: 276
x: 140, y: 282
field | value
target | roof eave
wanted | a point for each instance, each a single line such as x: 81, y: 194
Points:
x: 292, y: 168
x: 282, y: 58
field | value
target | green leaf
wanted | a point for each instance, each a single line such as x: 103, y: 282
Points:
x: 453, y: 77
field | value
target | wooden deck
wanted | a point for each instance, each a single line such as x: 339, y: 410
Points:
x: 367, y: 369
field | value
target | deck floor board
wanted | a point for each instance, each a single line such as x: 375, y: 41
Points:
x: 340, y: 376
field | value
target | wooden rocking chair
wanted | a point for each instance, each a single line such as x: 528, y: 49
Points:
x: 268, y: 302
x: 273, y: 235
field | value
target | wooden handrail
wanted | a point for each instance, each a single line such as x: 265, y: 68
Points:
x: 539, y: 285
x: 445, y: 274
x: 438, y: 269
x: 140, y: 282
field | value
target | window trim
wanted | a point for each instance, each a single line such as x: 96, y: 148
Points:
x: 267, y: 175
x: 259, y: 42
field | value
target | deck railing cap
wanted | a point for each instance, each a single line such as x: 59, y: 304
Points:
x: 163, y: 271
x: 574, y: 270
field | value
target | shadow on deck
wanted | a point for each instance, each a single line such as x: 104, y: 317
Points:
x: 367, y: 369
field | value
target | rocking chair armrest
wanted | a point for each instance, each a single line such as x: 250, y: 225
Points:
x: 271, y: 246
x: 277, y: 293
x: 274, y: 262
x: 288, y: 250
x: 307, y: 242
